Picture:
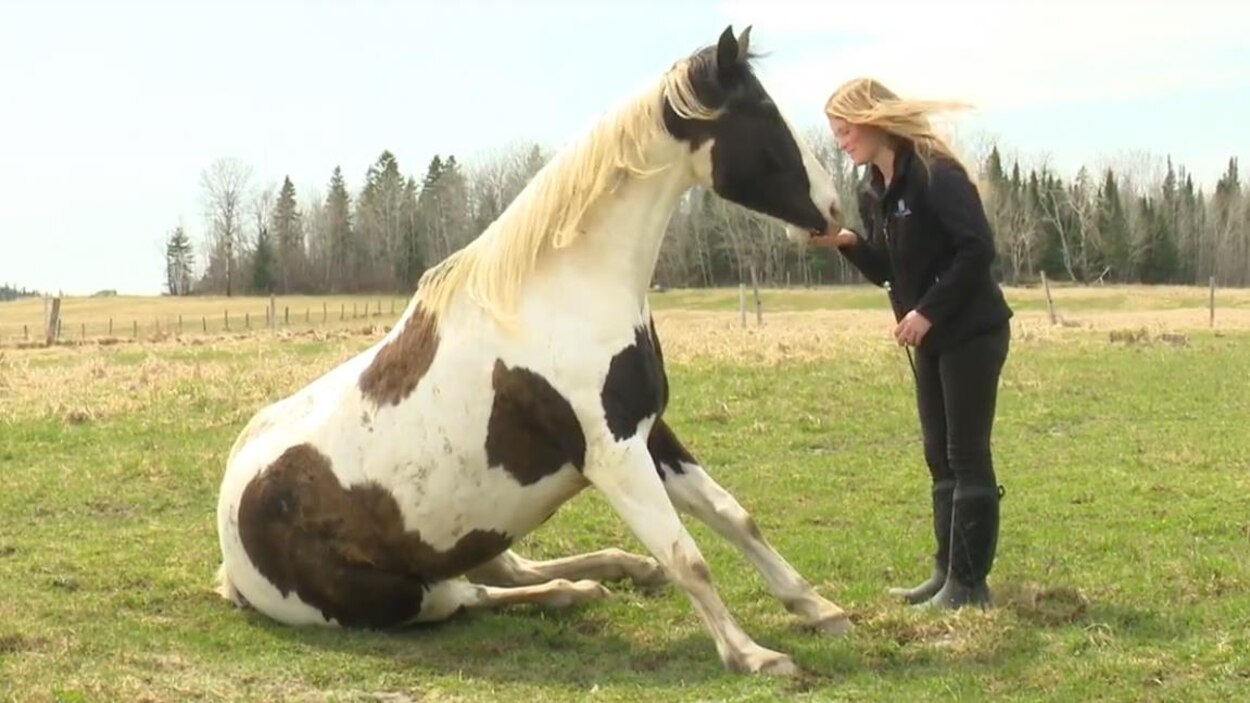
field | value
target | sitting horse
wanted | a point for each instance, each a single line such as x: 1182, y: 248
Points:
x: 525, y: 368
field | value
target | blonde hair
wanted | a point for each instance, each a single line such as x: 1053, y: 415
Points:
x: 549, y: 211
x: 866, y: 101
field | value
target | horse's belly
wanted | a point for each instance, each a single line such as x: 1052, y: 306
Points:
x: 445, y: 508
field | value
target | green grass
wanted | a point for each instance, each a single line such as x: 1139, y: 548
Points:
x: 1123, y: 572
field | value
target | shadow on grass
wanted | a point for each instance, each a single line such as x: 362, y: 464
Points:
x: 585, y: 646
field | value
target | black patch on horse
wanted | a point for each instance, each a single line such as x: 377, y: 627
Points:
x: 533, y: 431
x: 666, y: 450
x: 636, y: 386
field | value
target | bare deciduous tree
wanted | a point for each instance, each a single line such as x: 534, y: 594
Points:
x: 225, y: 184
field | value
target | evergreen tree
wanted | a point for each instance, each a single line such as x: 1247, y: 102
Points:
x: 1160, y: 260
x: 263, y: 264
x: 410, y: 264
x: 289, y: 233
x: 179, y: 262
x: 1113, y: 229
x: 342, y: 244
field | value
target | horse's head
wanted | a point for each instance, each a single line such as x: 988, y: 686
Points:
x: 744, y: 149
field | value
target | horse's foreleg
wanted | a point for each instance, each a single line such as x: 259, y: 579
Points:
x: 446, y: 598
x: 694, y: 492
x: 625, y: 475
x: 511, y: 569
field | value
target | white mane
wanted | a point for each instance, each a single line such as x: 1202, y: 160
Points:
x: 549, y: 212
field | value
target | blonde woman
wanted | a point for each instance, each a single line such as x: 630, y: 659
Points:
x: 927, y: 240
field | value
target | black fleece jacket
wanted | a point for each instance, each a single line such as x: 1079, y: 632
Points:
x: 927, y: 235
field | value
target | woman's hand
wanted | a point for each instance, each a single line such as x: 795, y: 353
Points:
x: 844, y: 239
x: 912, y: 329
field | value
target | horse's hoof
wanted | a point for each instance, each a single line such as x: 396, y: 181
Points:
x: 836, y: 625
x: 766, y: 661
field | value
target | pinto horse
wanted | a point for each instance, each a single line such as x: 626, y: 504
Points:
x: 525, y: 368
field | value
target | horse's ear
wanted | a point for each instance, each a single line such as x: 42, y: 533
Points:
x: 729, y: 56
x: 744, y: 45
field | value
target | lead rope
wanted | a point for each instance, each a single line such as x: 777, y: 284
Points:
x: 910, y: 360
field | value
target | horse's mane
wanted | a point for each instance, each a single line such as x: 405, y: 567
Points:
x: 549, y: 211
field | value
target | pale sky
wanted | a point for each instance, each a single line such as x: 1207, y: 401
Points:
x: 109, y: 110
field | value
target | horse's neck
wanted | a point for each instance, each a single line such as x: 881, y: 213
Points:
x: 617, y: 255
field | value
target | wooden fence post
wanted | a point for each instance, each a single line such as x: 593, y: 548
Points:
x: 204, y: 321
x: 134, y: 329
x: 742, y: 302
x: 323, y: 311
x: 272, y: 312
x: 110, y: 327
x: 286, y: 315
x: 755, y: 286
x: 52, y: 320
x: 227, y: 319
x: 1050, y: 302
x: 1211, y: 304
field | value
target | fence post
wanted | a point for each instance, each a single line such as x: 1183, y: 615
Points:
x: 755, y: 286
x: 180, y: 324
x: 273, y: 312
x: 247, y: 320
x: 286, y: 315
x: 135, y: 329
x: 324, y: 311
x: 1050, y: 302
x: 83, y: 331
x: 110, y: 327
x: 742, y: 302
x: 1211, y: 304
x: 204, y: 321
x: 52, y: 320
x: 227, y: 319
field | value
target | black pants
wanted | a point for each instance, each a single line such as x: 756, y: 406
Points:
x: 956, y: 394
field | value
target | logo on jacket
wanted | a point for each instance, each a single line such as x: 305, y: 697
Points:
x: 903, y: 210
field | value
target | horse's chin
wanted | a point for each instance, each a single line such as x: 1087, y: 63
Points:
x: 797, y: 235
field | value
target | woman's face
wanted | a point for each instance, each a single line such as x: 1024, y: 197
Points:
x: 859, y: 142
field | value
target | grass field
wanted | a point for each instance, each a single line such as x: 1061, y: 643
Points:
x: 1123, y: 572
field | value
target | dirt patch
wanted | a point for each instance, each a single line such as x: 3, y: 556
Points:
x: 14, y: 643
x: 1045, y: 605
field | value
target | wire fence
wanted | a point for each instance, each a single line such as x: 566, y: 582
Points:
x: 90, y: 325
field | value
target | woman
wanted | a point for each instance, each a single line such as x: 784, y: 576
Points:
x: 927, y: 240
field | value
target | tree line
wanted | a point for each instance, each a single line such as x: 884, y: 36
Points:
x: 9, y: 291
x: 1132, y: 225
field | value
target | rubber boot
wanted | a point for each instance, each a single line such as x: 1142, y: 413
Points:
x: 974, y: 541
x: 943, y: 498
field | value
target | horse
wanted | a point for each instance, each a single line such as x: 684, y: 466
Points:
x: 525, y: 368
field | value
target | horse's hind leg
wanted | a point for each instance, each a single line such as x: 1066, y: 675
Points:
x: 511, y: 569
x: 446, y: 598
x: 694, y: 492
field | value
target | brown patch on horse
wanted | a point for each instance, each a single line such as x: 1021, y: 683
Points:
x: 343, y: 550
x: 533, y: 431
x: 399, y: 366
